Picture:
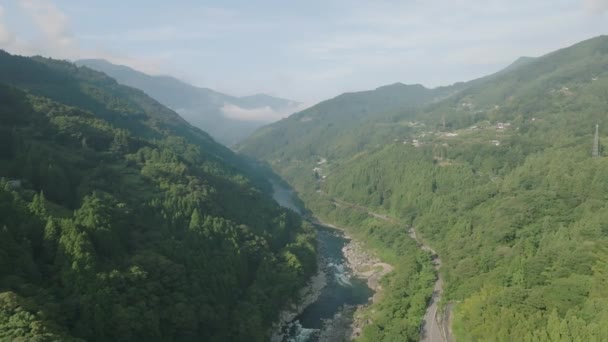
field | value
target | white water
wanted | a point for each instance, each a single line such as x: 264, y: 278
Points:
x: 301, y: 334
x: 342, y: 289
x: 340, y: 275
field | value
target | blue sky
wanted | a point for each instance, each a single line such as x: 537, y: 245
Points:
x: 303, y: 50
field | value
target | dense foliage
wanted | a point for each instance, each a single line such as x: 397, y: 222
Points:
x: 334, y: 128
x: 119, y: 221
x: 405, y: 292
x: 506, y: 191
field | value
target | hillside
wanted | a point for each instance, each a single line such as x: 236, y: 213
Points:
x: 202, y: 107
x: 333, y: 127
x: 120, y: 221
x: 498, y: 178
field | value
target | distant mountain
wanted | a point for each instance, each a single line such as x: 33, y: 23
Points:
x: 521, y: 61
x: 226, y: 118
x: 329, y: 128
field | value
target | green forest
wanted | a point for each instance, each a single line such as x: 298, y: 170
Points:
x: 496, y: 174
x: 121, y: 222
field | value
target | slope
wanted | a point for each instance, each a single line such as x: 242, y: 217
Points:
x: 120, y: 221
x: 202, y: 107
x: 330, y: 128
x: 506, y: 192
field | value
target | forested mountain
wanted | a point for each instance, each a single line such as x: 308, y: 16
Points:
x: 334, y: 126
x: 119, y: 221
x: 202, y: 107
x: 498, y: 177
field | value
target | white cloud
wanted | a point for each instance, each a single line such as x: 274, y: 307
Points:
x: 9, y: 41
x: 389, y: 32
x: 411, y: 41
x: 166, y: 33
x: 211, y: 22
x: 264, y: 114
x: 6, y: 37
x: 596, y: 6
x: 53, y: 24
x: 298, y: 53
x: 57, y: 41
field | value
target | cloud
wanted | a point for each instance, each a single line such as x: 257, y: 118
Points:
x: 297, y: 52
x: 166, y: 33
x: 51, y: 25
x: 55, y: 38
x: 6, y: 37
x: 9, y: 41
x: 263, y: 114
x: 409, y: 41
x: 54, y: 26
x: 596, y: 6
x: 210, y: 23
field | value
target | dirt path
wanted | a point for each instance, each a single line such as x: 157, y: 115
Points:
x: 433, y: 329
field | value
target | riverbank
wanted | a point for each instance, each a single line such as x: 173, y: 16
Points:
x: 432, y: 329
x: 347, y: 282
x: 366, y: 266
x: 307, y: 295
x: 347, y: 323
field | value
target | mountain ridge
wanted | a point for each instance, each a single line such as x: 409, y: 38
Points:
x: 122, y: 221
x: 203, y: 107
x: 498, y: 177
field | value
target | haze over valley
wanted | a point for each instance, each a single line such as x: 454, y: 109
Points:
x: 319, y: 171
x: 228, y: 119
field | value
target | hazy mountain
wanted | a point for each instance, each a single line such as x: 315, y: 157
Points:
x: 498, y: 177
x: 226, y: 118
x: 120, y: 221
x: 318, y: 129
x: 521, y: 61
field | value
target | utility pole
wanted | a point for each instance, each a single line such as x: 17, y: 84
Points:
x: 596, y: 142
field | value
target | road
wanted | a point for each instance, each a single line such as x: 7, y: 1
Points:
x: 431, y: 330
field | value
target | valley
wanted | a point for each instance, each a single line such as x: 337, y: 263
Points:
x: 497, y: 174
x: 434, y: 327
x: 121, y: 221
x: 136, y: 206
x: 328, y: 316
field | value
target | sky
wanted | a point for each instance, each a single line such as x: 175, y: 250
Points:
x: 301, y: 50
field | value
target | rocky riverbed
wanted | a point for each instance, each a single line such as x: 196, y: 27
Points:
x: 366, y: 266
x: 347, y: 281
x: 307, y: 295
x: 358, y: 265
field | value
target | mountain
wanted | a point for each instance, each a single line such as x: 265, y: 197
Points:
x: 497, y: 176
x: 521, y: 61
x: 121, y: 221
x: 209, y: 110
x: 332, y: 126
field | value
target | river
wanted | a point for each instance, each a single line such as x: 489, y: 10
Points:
x: 329, y: 318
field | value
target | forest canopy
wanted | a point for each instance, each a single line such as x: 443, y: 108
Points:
x: 119, y: 221
x: 497, y: 176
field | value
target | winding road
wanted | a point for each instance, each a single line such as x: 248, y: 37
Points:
x: 433, y: 328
